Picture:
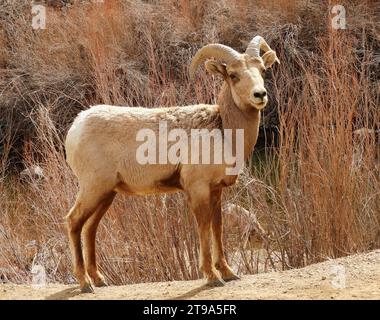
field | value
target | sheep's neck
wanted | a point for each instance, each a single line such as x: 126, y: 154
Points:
x: 234, y: 118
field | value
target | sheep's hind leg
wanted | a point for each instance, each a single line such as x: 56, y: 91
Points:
x: 219, y: 258
x: 199, y: 199
x: 89, y: 239
x: 84, y: 207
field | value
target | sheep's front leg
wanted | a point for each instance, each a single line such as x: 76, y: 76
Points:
x: 219, y: 258
x: 200, y: 203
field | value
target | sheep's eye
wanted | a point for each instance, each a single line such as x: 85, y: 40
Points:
x: 234, y: 77
x: 263, y: 72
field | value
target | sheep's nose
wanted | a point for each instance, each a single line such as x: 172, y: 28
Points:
x: 260, y: 94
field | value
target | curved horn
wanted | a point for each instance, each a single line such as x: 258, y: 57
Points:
x: 258, y: 43
x: 215, y: 50
x: 255, y: 45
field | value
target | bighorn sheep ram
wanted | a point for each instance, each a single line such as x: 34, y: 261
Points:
x: 101, y: 148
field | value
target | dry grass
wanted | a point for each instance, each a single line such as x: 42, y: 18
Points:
x: 309, y: 192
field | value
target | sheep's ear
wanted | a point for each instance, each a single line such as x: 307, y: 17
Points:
x: 270, y: 58
x: 216, y: 67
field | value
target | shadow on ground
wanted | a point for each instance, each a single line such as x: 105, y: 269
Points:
x: 192, y: 293
x: 64, y: 294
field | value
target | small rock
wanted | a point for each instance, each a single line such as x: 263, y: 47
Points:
x: 323, y: 278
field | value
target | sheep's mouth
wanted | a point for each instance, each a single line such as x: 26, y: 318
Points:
x: 260, y: 105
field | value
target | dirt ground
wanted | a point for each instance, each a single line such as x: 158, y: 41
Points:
x: 353, y: 277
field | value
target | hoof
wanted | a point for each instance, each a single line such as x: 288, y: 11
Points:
x: 87, y: 289
x: 216, y: 283
x: 231, y: 278
x: 101, y: 283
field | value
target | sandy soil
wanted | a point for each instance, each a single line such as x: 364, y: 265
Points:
x: 353, y: 277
